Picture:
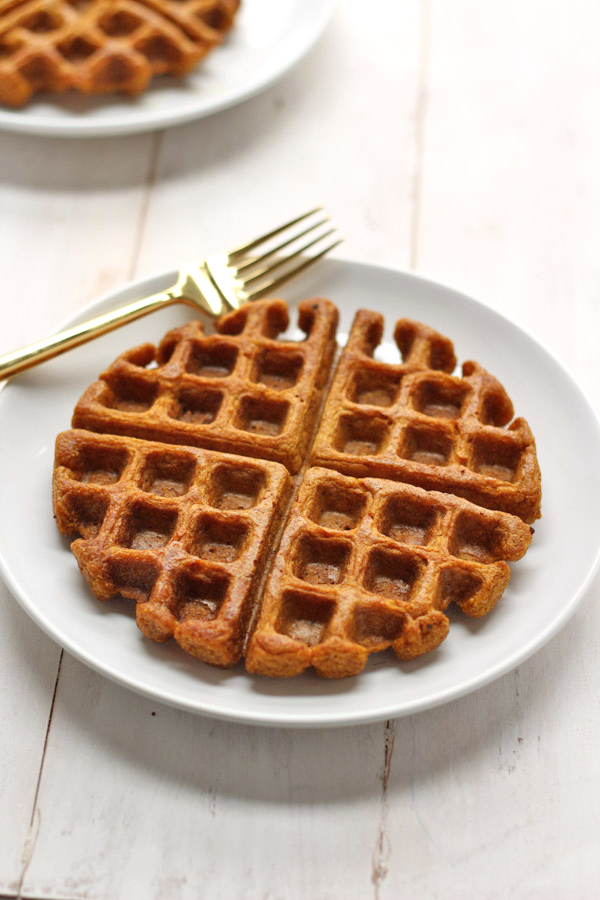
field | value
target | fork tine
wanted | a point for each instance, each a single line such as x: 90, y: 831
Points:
x: 254, y: 260
x: 244, y: 248
x: 276, y: 264
x: 276, y: 283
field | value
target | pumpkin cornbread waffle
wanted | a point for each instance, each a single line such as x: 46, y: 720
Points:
x: 183, y: 532
x: 365, y: 558
x: 365, y: 564
x: 240, y: 390
x: 418, y: 423
x: 103, y: 46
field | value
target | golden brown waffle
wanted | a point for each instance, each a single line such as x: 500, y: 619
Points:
x: 239, y: 391
x: 183, y: 532
x: 103, y: 46
x: 367, y: 564
x: 417, y: 423
x: 368, y: 559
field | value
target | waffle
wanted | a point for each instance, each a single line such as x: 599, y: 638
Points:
x: 183, y: 532
x: 177, y: 477
x: 365, y: 564
x: 417, y: 423
x: 238, y: 391
x: 103, y: 46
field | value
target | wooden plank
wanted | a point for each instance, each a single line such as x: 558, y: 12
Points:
x: 509, y: 183
x: 490, y: 787
x: 495, y: 795
x: 71, y: 213
x: 339, y: 130
x: 143, y: 800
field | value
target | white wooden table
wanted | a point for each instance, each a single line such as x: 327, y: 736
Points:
x: 455, y: 138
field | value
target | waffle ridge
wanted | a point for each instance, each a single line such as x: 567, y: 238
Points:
x: 103, y: 46
x: 418, y: 423
x: 365, y: 564
x: 177, y: 475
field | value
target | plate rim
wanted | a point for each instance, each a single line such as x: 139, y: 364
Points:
x: 71, y: 127
x: 319, y: 720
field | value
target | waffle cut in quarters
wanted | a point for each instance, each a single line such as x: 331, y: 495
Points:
x: 418, y: 423
x: 103, y: 46
x: 183, y: 532
x: 365, y: 564
x: 240, y: 390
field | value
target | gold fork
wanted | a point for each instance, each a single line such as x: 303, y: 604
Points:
x: 215, y: 285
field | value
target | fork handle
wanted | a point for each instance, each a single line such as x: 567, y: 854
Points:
x: 33, y: 354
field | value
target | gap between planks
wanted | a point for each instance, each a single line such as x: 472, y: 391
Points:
x: 32, y: 834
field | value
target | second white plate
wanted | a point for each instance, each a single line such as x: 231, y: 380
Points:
x: 267, y: 39
x: 543, y: 592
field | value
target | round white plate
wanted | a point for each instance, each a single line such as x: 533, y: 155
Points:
x: 543, y: 592
x: 267, y: 39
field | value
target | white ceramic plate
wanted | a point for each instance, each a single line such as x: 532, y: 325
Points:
x: 545, y: 586
x: 268, y: 38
